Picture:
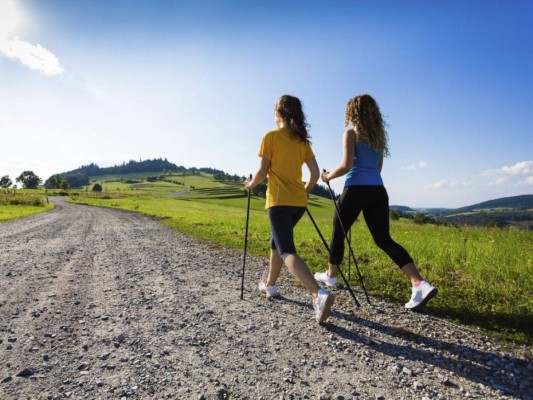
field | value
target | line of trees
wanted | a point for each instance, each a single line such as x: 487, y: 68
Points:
x: 222, y: 176
x: 132, y: 166
x: 322, y: 191
x: 28, y: 180
x: 318, y: 190
x: 64, y: 182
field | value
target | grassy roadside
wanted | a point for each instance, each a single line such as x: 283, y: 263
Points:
x: 485, y: 276
x: 22, y: 204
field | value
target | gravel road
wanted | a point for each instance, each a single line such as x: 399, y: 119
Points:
x: 104, y: 304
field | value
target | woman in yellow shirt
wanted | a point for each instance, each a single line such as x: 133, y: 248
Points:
x: 283, y: 153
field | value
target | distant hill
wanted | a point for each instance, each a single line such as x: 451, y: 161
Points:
x: 523, y: 202
x: 155, y: 165
x: 401, y: 208
x: 514, y: 211
x: 431, y: 211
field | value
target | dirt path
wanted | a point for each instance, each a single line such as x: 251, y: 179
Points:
x: 103, y: 304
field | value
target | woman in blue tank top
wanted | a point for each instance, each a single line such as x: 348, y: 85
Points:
x: 364, y: 146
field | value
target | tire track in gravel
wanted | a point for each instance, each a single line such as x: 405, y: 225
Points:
x: 104, y: 304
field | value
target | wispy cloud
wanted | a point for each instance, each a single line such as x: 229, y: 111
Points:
x: 498, y: 181
x: 417, y: 166
x: 520, y: 174
x: 520, y: 168
x: 34, y: 56
x: 528, y: 181
x: 448, y: 184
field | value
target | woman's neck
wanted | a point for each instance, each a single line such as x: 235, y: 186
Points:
x: 282, y: 124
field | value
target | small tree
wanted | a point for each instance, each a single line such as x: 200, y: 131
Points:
x: 260, y: 190
x: 97, y: 187
x: 395, y: 215
x: 5, y: 182
x: 54, y: 182
x: 29, y: 180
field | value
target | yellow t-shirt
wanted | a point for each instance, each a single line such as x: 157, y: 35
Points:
x: 287, y: 153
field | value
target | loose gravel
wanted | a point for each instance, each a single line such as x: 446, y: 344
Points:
x: 104, y: 304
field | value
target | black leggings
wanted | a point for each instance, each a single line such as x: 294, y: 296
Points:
x: 374, y: 202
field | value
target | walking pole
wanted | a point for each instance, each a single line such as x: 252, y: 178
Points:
x: 349, y: 258
x: 329, y: 251
x: 245, y: 239
x: 348, y: 242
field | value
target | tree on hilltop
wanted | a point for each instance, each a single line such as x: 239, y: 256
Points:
x: 5, y: 182
x: 29, y: 180
x: 77, y: 180
x: 54, y: 182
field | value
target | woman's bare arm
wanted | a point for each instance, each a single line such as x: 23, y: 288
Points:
x: 315, y: 174
x: 348, y: 153
x: 260, y: 175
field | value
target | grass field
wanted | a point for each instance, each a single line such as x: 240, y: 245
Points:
x: 22, y: 204
x: 485, y: 275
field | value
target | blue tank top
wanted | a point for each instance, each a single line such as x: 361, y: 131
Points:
x: 365, y: 168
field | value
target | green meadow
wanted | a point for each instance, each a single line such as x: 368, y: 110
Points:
x: 484, y: 275
x: 21, y: 204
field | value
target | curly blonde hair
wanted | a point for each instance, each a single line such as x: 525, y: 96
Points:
x: 363, y: 113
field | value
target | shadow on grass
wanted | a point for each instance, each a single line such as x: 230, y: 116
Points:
x: 315, y: 203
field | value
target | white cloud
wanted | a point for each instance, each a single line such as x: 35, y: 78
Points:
x: 499, y: 181
x: 528, y: 180
x: 518, y: 174
x: 520, y: 168
x: 420, y: 165
x: 34, y: 56
x: 448, y: 184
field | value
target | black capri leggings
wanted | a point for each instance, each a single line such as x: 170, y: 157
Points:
x: 283, y: 219
x: 374, y: 202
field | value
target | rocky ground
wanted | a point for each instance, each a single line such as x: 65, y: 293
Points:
x: 103, y: 304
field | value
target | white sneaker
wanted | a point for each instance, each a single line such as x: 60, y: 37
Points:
x: 421, y: 295
x: 325, y: 278
x: 322, y: 305
x: 270, y: 291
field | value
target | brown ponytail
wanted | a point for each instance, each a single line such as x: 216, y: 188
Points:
x: 290, y: 110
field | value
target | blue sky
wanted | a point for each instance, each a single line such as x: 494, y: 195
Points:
x: 196, y: 82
